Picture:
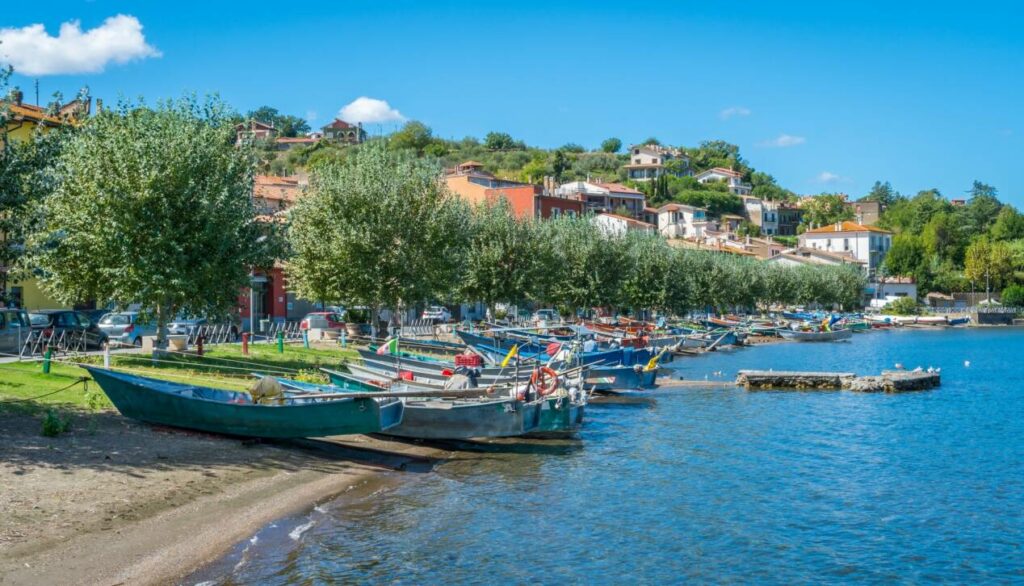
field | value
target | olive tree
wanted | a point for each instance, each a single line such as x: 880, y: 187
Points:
x: 379, y: 229
x: 152, y: 206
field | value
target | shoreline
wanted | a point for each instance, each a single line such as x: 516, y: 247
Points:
x: 163, y: 503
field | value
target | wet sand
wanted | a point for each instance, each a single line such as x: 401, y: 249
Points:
x: 115, y: 501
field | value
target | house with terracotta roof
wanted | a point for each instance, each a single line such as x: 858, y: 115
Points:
x: 253, y: 130
x: 616, y: 225
x: 599, y: 197
x: 272, y: 195
x: 647, y: 161
x: 341, y: 132
x: 731, y: 178
x: 471, y: 182
x: 676, y: 220
x: 23, y: 118
x: 867, y: 244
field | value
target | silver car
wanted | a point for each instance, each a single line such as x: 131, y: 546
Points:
x: 14, y: 329
x: 126, y: 328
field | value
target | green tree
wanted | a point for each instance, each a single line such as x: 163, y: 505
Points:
x: 154, y: 207
x: 1009, y: 224
x: 989, y: 262
x: 611, y: 145
x: 652, y: 141
x: 502, y: 141
x: 982, y: 208
x: 883, y: 193
x: 1012, y: 296
x: 906, y: 257
x: 582, y: 255
x: 285, y: 124
x: 825, y: 209
x: 378, y: 230
x: 559, y: 164
x: 902, y: 306
x: 943, y: 237
x: 503, y: 260
x: 572, y: 147
x: 413, y: 135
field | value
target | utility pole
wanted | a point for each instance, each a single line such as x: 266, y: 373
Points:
x: 37, y: 91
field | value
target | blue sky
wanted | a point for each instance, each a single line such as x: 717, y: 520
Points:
x: 825, y: 96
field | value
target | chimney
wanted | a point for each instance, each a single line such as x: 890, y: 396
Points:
x: 839, y: 227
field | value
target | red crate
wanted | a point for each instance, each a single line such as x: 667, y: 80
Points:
x: 470, y: 360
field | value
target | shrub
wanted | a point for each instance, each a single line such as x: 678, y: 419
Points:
x: 54, y: 424
x: 902, y: 306
x: 1012, y: 296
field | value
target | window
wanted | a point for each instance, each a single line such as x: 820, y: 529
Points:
x: 846, y: 244
x: 636, y: 151
x: 636, y: 161
x: 555, y: 212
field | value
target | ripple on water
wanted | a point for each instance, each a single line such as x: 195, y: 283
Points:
x: 719, y: 485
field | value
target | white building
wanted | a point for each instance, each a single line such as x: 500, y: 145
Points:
x: 604, y: 197
x: 616, y: 225
x: 867, y: 244
x: 731, y: 178
x: 682, y: 221
x: 647, y: 162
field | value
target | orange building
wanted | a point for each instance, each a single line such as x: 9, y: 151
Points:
x: 470, y: 182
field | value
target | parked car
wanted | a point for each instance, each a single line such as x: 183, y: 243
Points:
x: 322, y: 320
x: 126, y: 328
x: 181, y: 326
x: 546, y: 315
x: 14, y: 328
x: 437, y: 313
x: 68, y: 320
x: 94, y: 315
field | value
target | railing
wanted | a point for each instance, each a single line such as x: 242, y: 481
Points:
x: 64, y: 342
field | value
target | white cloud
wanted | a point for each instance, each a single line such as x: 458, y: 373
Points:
x: 828, y: 177
x: 369, y: 110
x: 783, y: 141
x: 33, y: 51
x: 733, y: 112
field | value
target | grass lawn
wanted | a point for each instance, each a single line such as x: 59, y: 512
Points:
x: 221, y: 366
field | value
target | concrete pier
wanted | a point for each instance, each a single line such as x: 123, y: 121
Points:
x: 897, y: 381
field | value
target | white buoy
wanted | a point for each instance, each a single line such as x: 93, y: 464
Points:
x: 967, y: 363
x: 899, y: 366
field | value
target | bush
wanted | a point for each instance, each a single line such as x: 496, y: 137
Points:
x: 902, y: 306
x: 54, y: 424
x: 1012, y: 296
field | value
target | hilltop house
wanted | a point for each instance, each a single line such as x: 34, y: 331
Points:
x: 253, y: 130
x: 616, y: 225
x: 341, y: 132
x: 867, y: 244
x: 731, y: 178
x: 605, y: 197
x: 272, y: 195
x: 866, y: 212
x: 682, y: 221
x: 647, y: 162
x: 475, y: 185
x: 772, y: 217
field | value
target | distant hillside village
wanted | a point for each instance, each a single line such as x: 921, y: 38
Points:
x: 706, y: 197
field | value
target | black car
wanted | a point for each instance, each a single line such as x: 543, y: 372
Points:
x: 67, y: 320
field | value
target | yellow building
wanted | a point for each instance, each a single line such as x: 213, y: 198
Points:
x: 22, y: 120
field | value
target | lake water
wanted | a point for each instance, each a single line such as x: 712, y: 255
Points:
x: 711, y: 485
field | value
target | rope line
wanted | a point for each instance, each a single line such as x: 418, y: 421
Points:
x: 81, y: 380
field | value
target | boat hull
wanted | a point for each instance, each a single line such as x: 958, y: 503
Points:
x: 212, y: 410
x: 559, y: 417
x: 833, y: 336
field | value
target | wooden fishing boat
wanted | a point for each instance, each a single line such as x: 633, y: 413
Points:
x: 234, y: 413
x: 437, y: 370
x: 816, y: 336
x: 467, y: 418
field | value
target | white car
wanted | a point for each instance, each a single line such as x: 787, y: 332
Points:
x: 437, y: 313
x: 546, y: 315
x: 125, y: 328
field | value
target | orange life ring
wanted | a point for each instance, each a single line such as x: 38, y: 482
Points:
x: 545, y: 380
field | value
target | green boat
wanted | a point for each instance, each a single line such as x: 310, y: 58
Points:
x: 560, y: 416
x: 234, y: 413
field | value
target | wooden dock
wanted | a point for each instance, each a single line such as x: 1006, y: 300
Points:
x: 896, y: 381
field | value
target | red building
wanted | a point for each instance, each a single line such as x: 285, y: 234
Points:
x: 470, y: 182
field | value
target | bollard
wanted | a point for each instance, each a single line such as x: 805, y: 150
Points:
x: 280, y: 342
x: 199, y: 345
x: 106, y: 355
x: 46, y: 359
x: 305, y: 339
x: 245, y: 343
x: 343, y: 345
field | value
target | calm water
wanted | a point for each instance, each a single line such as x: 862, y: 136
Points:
x: 711, y: 485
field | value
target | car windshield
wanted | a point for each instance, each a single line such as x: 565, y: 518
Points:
x: 39, y: 319
x: 116, y: 319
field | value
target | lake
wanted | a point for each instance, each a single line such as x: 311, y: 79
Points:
x: 711, y: 485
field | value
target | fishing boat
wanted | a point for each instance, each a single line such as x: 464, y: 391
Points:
x: 235, y: 413
x: 436, y: 369
x: 816, y: 336
x: 959, y: 321
x: 464, y: 418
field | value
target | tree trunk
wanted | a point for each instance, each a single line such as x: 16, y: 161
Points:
x: 162, y: 312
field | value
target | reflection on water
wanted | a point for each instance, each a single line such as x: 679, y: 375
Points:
x: 712, y: 485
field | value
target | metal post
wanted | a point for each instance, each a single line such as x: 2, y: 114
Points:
x: 280, y: 342
x: 46, y: 359
x: 305, y: 338
x: 106, y: 356
x: 245, y: 343
x: 343, y: 332
x: 199, y: 344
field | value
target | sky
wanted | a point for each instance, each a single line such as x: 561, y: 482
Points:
x: 825, y: 96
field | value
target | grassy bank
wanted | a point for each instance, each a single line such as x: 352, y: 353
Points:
x: 24, y: 388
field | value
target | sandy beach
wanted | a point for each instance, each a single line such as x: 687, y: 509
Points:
x: 115, y: 501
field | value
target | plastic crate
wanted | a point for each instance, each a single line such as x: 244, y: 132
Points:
x: 470, y: 360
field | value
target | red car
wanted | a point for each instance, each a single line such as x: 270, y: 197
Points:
x: 323, y: 320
